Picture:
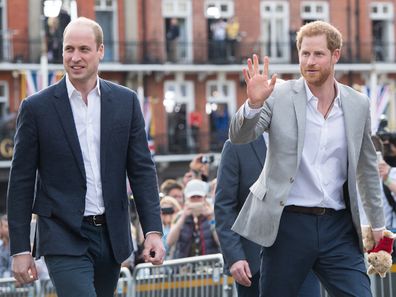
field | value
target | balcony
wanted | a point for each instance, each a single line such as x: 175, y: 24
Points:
x: 18, y: 50
x: 185, y: 142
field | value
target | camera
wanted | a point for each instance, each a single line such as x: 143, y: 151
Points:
x: 167, y: 210
x: 207, y: 159
x: 383, y: 133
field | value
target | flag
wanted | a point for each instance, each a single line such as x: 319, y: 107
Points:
x: 380, y: 105
x: 31, y: 81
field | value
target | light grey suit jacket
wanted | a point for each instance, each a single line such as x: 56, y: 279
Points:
x: 283, y: 116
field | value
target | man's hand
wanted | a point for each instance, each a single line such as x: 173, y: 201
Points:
x: 378, y: 235
x: 154, y: 251
x: 24, y: 269
x: 241, y: 273
x: 258, y: 88
x: 384, y: 169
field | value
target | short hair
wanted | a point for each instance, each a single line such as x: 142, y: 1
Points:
x: 96, y: 28
x: 333, y: 36
x: 172, y: 201
x: 170, y: 184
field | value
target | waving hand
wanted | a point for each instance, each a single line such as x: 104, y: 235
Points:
x: 258, y: 86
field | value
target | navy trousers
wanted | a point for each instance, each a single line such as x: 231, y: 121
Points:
x: 309, y: 288
x: 328, y: 244
x: 94, y: 274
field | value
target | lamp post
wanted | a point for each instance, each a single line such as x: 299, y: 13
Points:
x: 51, y: 8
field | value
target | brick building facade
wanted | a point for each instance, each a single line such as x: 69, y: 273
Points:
x: 193, y: 95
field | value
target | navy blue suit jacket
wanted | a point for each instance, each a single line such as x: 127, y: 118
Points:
x: 240, y: 166
x: 47, y: 148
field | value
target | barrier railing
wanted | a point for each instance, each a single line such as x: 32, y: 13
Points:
x: 8, y: 288
x: 200, y: 276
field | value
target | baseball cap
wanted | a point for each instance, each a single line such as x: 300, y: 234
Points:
x: 196, y: 187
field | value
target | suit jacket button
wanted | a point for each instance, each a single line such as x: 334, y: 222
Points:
x: 291, y: 180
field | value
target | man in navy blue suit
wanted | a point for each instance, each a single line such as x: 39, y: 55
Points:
x: 75, y: 144
x: 239, y: 168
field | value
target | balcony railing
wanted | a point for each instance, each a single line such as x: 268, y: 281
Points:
x: 205, y: 52
x: 183, y: 142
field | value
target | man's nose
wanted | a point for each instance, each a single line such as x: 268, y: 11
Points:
x: 76, y: 56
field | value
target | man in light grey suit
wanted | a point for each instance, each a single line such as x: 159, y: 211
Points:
x: 303, y: 208
x: 239, y: 167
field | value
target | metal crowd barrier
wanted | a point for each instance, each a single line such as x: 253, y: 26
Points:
x: 200, y: 276
x: 9, y: 289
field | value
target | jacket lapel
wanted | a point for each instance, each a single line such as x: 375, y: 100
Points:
x: 106, y: 120
x: 63, y: 108
x: 300, y: 105
x: 351, y: 120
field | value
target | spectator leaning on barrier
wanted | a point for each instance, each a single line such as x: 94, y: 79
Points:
x: 169, y: 208
x: 388, y: 176
x: 193, y: 232
x: 5, y: 258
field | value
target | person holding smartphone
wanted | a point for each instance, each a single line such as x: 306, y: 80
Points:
x: 193, y: 231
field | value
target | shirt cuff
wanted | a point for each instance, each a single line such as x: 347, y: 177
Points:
x: 153, y: 232
x: 249, y: 112
x: 21, y: 253
x: 378, y: 229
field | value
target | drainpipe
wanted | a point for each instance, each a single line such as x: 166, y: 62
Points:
x: 357, y: 35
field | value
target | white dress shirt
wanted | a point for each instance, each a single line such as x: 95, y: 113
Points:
x: 323, y: 168
x: 87, y: 121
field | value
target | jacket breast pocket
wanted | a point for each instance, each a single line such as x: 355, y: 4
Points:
x: 258, y: 190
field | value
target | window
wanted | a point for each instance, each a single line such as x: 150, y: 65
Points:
x: 3, y: 98
x: 219, y: 8
x: 106, y: 16
x: 178, y: 49
x: 7, y: 124
x: 381, y: 11
x: 314, y: 10
x: 275, y: 30
x: 179, y: 103
x: 220, y: 106
x: 382, y: 32
x: 176, y: 8
x: 5, y: 48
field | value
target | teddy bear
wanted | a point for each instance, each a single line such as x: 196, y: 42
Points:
x: 379, y: 256
x: 379, y: 262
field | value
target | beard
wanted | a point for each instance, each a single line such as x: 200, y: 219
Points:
x: 318, y: 78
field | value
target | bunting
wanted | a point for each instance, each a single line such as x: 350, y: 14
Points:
x: 380, y: 105
x: 31, y: 81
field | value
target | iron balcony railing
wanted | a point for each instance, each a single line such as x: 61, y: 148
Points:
x: 20, y: 50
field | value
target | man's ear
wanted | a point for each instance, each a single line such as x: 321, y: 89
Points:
x: 101, y: 50
x: 336, y: 55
